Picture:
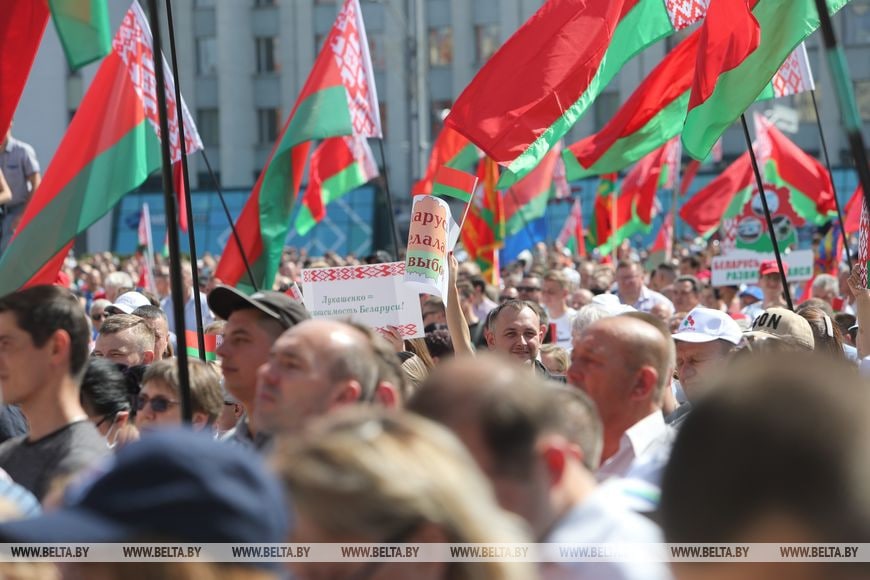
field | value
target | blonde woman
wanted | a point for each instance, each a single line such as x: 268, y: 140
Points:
x: 370, y: 475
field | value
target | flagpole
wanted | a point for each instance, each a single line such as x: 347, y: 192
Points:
x: 171, y: 221
x: 675, y: 196
x: 833, y: 187
x: 149, y: 248
x: 760, y: 183
x: 185, y: 180
x: 395, y: 234
x: 235, y: 232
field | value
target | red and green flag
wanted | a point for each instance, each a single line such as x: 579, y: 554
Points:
x: 545, y: 77
x: 739, y: 52
x: 609, y: 209
x: 571, y: 236
x: 83, y: 28
x: 338, y: 166
x: 110, y: 148
x: 454, y: 184
x: 338, y: 98
x: 526, y: 200
x: 450, y: 149
x: 192, y: 341
x: 704, y: 210
x: 484, y: 230
x: 22, y: 24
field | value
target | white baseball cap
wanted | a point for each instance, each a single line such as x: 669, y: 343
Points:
x: 706, y: 325
x: 128, y: 302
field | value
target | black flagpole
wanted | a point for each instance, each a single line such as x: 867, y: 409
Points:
x: 395, y: 233
x: 171, y: 222
x: 236, y: 237
x: 846, y: 98
x: 833, y: 187
x: 760, y: 182
x: 191, y: 236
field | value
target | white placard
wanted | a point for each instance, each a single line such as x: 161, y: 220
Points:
x: 741, y: 266
x: 374, y: 295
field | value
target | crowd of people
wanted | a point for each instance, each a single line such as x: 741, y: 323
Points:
x: 575, y: 402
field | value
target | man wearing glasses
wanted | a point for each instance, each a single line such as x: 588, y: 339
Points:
x: 530, y: 289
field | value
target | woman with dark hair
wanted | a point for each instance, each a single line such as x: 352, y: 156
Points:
x: 106, y: 398
x: 827, y: 334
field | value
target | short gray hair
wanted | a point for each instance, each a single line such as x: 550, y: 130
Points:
x: 586, y: 316
x: 826, y: 283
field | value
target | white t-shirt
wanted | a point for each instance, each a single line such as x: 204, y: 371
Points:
x: 563, y: 328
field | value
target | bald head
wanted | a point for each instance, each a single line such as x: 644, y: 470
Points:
x: 313, y: 367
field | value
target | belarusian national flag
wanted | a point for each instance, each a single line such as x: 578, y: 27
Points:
x: 83, y: 28
x: 786, y: 165
x: 545, y: 77
x: 484, y: 231
x: 453, y: 183
x: 110, y: 148
x: 450, y: 149
x: 853, y: 211
x: 653, y: 114
x: 338, y: 166
x: 605, y: 214
x: 739, y: 54
x: 22, y: 23
x: 571, y: 236
x: 338, y: 98
x: 704, y: 210
x: 192, y: 341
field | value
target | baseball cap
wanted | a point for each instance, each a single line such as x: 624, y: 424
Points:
x: 753, y: 291
x: 706, y: 325
x: 127, y: 302
x: 782, y: 323
x: 176, y: 485
x: 770, y: 267
x: 224, y: 300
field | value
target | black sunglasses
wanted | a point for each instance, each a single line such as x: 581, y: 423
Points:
x: 527, y: 288
x: 158, y: 404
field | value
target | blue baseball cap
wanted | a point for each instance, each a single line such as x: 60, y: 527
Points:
x: 753, y: 291
x: 175, y: 485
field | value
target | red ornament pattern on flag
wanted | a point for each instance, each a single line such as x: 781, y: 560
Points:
x: 791, y: 79
x: 354, y: 272
x: 863, y: 240
x: 684, y: 13
x: 133, y: 45
x: 349, y: 46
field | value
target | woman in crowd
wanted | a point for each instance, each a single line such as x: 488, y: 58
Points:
x: 159, y: 403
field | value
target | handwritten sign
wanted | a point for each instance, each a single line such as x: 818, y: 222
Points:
x: 433, y: 233
x: 374, y: 295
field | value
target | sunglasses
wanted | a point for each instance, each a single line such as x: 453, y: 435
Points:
x: 100, y: 316
x: 527, y: 289
x: 158, y: 404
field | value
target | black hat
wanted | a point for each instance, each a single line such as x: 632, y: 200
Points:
x: 224, y: 300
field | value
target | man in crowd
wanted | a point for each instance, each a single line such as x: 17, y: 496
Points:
x: 539, y: 445
x: 482, y: 303
x: 156, y: 320
x: 127, y: 302
x: 555, y: 291
x: 530, y: 288
x: 704, y: 342
x: 189, y: 303
x: 126, y: 339
x: 770, y: 283
x: 663, y: 276
x: 633, y: 292
x: 254, y: 323
x: 514, y: 329
x: 116, y: 284
x: 314, y: 367
x: 827, y: 288
x: 433, y: 311
x: 687, y: 293
x: 624, y: 365
x: 44, y: 341
x: 20, y: 168
x: 98, y: 314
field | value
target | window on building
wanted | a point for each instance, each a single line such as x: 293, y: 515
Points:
x: 486, y: 41
x: 439, y: 110
x: 377, y: 51
x: 862, y: 96
x: 803, y: 102
x: 207, y: 124
x: 206, y: 55
x: 857, y: 22
x: 204, y: 3
x: 259, y: 3
x: 268, y: 124
x: 440, y: 46
x: 267, y: 54
x: 606, y: 106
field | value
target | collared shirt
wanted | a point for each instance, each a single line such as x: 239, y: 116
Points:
x: 604, y: 517
x: 241, y: 435
x: 18, y: 162
x: 482, y: 310
x: 643, y: 451
x: 189, y: 313
x: 649, y: 298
